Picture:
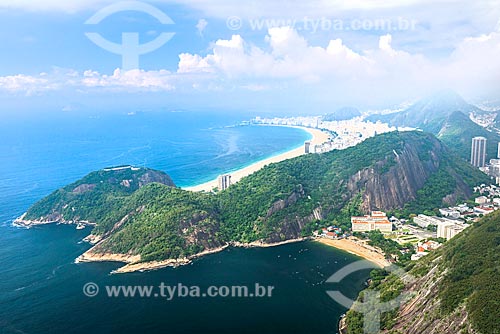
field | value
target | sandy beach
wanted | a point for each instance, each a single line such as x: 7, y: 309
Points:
x: 354, y: 246
x: 318, y: 137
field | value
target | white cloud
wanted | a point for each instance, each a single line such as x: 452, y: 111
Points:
x: 201, y: 26
x: 289, y: 65
x: 60, y: 79
x: 53, y: 5
x: 28, y: 85
x: 384, y: 70
x: 133, y: 79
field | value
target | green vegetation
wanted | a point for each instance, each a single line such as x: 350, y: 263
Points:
x: 457, y: 132
x: 279, y: 202
x: 389, y: 286
x: 472, y: 260
x: 166, y: 225
x: 390, y: 247
x: 439, y: 185
x: 98, y: 197
x: 467, y: 270
x: 446, y: 115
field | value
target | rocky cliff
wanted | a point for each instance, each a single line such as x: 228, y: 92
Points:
x: 137, y: 212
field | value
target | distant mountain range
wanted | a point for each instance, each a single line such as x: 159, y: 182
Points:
x: 342, y: 114
x: 446, y: 115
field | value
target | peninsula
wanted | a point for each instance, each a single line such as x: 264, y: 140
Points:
x: 142, y: 219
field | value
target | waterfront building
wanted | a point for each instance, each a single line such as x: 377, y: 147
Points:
x: 376, y: 221
x: 307, y: 147
x: 224, y: 181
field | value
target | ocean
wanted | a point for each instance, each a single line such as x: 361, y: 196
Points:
x: 41, y: 287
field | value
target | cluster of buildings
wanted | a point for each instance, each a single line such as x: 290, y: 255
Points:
x: 446, y: 228
x: 478, y: 158
x: 332, y: 232
x: 423, y: 248
x: 319, y: 148
x: 489, y: 200
x: 347, y: 133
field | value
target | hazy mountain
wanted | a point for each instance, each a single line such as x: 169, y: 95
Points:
x: 342, y: 114
x: 445, y: 115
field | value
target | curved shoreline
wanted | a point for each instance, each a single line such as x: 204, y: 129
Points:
x: 133, y: 264
x: 351, y: 246
x: 317, y: 137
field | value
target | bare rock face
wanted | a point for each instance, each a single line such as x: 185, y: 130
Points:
x: 386, y: 184
x: 291, y: 200
x: 152, y: 176
x: 397, y: 186
x: 83, y: 188
x: 421, y: 313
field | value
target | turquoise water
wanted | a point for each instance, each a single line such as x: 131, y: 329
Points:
x: 41, y: 287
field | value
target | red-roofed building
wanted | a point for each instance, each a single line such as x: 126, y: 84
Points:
x: 376, y: 221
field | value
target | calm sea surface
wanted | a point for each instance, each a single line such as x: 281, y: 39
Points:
x: 41, y: 287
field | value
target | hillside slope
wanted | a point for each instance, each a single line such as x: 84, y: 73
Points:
x: 280, y: 202
x: 454, y: 290
x: 446, y: 115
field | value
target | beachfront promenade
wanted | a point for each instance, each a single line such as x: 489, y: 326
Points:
x: 318, y: 138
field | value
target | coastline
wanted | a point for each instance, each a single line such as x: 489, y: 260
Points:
x: 25, y: 223
x: 133, y: 264
x: 318, y: 137
x: 353, y: 246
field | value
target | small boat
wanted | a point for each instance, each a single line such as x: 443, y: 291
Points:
x: 80, y: 226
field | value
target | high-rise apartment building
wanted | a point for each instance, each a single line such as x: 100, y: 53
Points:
x: 478, y: 152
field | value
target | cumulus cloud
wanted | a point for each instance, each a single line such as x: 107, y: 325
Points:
x: 60, y: 79
x: 289, y: 57
x: 133, y: 79
x: 26, y: 84
x: 288, y: 62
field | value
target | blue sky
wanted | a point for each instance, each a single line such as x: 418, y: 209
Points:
x: 278, y: 56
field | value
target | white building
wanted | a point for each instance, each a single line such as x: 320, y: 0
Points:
x: 376, y: 221
x: 424, y: 221
x: 478, y: 152
x: 224, y: 181
x: 454, y: 214
x: 481, y: 200
x: 449, y: 229
x: 307, y: 147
